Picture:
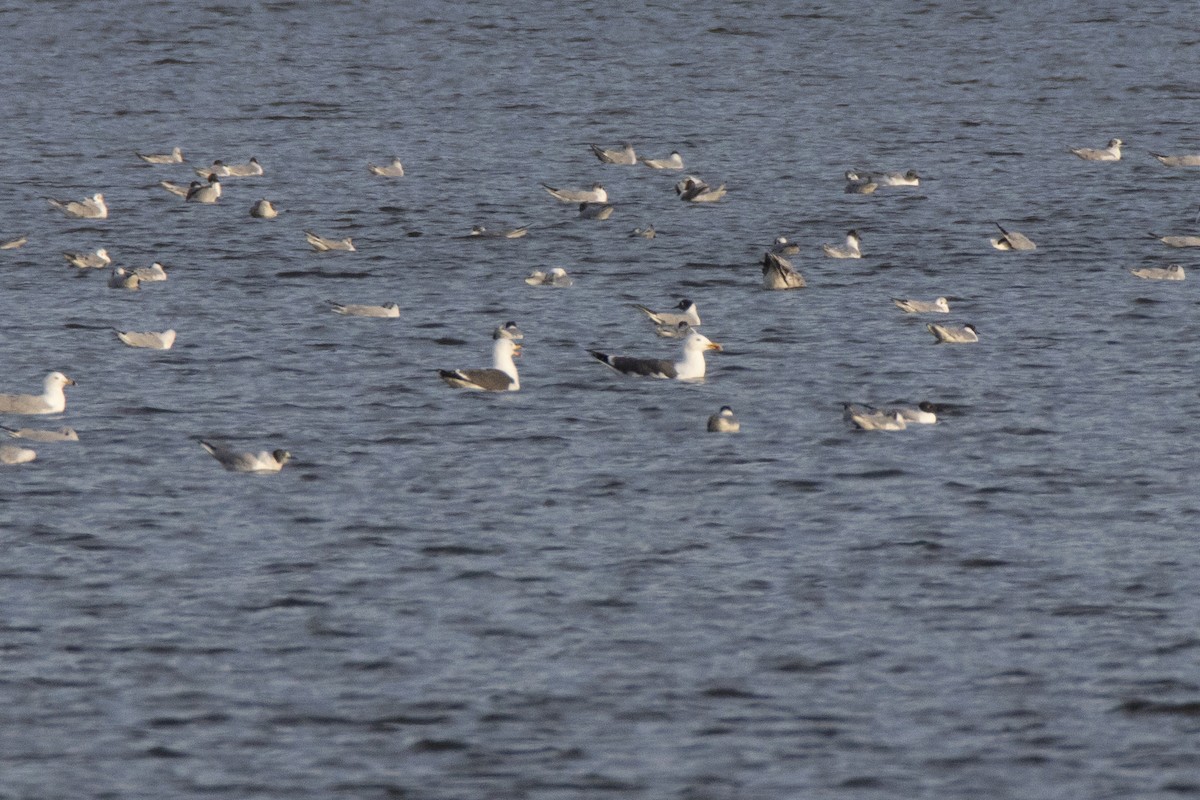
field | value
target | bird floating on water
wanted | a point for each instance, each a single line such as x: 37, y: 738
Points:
x: 596, y: 194
x: 690, y: 367
x: 1110, y: 153
x: 851, y: 249
x: 674, y: 161
x: 150, y: 340
x: 778, y: 273
x: 1174, y: 272
x: 95, y: 260
x: 954, y: 334
x: 938, y: 306
x: 623, y: 156
x: 394, y: 169
x: 173, y: 157
x: 1011, y: 240
x: 323, y: 245
x: 237, y: 461
x: 52, y: 400
x: 724, y: 421
x: 502, y: 376
x: 89, y: 208
x: 264, y: 210
x: 361, y: 310
x: 556, y: 277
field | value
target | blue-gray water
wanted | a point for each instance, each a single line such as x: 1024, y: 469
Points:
x: 573, y: 591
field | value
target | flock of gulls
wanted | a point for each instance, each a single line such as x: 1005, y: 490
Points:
x: 678, y: 322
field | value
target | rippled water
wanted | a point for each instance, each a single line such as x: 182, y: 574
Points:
x: 572, y: 591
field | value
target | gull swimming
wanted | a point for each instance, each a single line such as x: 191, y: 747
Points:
x: 647, y: 232
x: 870, y: 419
x: 848, y: 250
x: 236, y: 461
x: 1110, y: 153
x: 778, y: 273
x: 673, y: 161
x: 223, y: 170
x: 857, y: 183
x: 63, y: 434
x: 925, y: 413
x: 321, y: 244
x: 52, y: 400
x: 151, y: 340
x: 955, y: 334
x: 94, y: 260
x: 1190, y: 160
x: 502, y: 377
x: 173, y: 157
x: 557, y: 277
x: 11, y: 454
x: 89, y: 208
x: 1178, y: 241
x: 204, y: 192
x: 1011, y: 240
x: 690, y: 367
x: 595, y: 211
x: 508, y: 233
x: 693, y: 190
x: 1172, y: 273
x: 724, y: 421
x: 781, y: 246
x: 938, y: 306
x: 264, y: 210
x: 683, y: 311
x: 594, y: 195
x: 120, y: 278
x: 13, y: 244
x: 393, y: 170
x: 178, y: 188
x: 151, y: 274
x: 910, y: 178
x: 360, y: 310
x: 623, y: 156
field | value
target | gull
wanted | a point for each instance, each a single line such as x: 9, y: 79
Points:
x: 690, y: 367
x: 1191, y: 160
x: 623, y: 156
x: 52, y: 400
x: 13, y: 244
x: 778, y: 273
x: 1172, y: 273
x: 204, y: 192
x: 1178, y: 241
x: 94, y: 260
x: 218, y: 168
x: 63, y: 434
x: 849, y: 250
x: 1012, y: 240
x: 857, y: 183
x: 264, y: 210
x: 1110, y: 153
x: 359, y: 310
x: 556, y: 277
x: 173, y: 157
x: 321, y: 244
x: 724, y: 421
x: 674, y: 161
x: 683, y: 311
x: 956, y: 334
x: 910, y: 178
x: 248, y: 170
x: 178, y: 188
x: 120, y: 278
x: 938, y: 306
x: 693, y: 190
x: 150, y: 340
x: 594, y: 195
x: 870, y: 419
x: 595, y: 211
x: 502, y: 377
x: 151, y: 274
x: 393, y: 170
x: 236, y: 461
x: 647, y: 232
x: 11, y: 454
x: 781, y: 246
x: 925, y: 413
x: 510, y: 233
x: 89, y: 208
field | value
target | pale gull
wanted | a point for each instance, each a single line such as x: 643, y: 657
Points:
x: 151, y: 340
x: 1110, y: 153
x: 236, y: 461
x: 52, y: 400
x: 89, y: 208
x: 362, y: 310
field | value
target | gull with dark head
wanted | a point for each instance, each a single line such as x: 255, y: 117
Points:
x: 778, y: 273
x: 204, y: 192
x: 693, y: 190
x: 724, y: 421
x: 1110, y: 153
x: 52, y: 400
x: 683, y: 311
x: 870, y: 419
x: 89, y: 208
x: 851, y: 249
x: 238, y: 461
x: 690, y: 367
x: 502, y: 376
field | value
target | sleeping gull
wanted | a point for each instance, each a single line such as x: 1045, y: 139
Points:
x: 1190, y: 160
x: 595, y: 211
x: 507, y: 233
x: 954, y: 334
x: 674, y: 161
x: 724, y: 421
x: 204, y: 192
x: 89, y: 208
x: 63, y: 434
x: 321, y: 244
x: 236, y: 461
x: 910, y: 178
x: 556, y: 277
x: 393, y: 170
x: 689, y: 368
x: 938, y: 306
x: 683, y: 311
x: 1012, y: 240
x: 502, y: 377
x: 360, y: 310
x: 693, y: 190
x: 778, y: 273
x: 173, y: 157
x: 151, y: 340
x: 1110, y: 153
x: 94, y: 260
x: 848, y: 250
x: 120, y: 278
x: 11, y: 454
x: 1178, y: 241
x: 870, y: 419
x: 594, y: 195
x: 13, y: 244
x: 1172, y: 273
x: 623, y: 156
x: 52, y: 400
x: 264, y: 210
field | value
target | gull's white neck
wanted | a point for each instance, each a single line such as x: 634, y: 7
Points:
x: 502, y: 359
x: 692, y: 366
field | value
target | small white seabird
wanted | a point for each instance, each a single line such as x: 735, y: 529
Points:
x: 954, y: 334
x: 173, y: 157
x: 89, y: 208
x: 778, y: 273
x: 360, y: 310
x: 507, y: 233
x: 556, y: 277
x: 910, y: 178
x: 1011, y: 240
x: 1174, y: 272
x: 724, y: 421
x: 938, y: 306
x: 851, y: 249
x: 683, y: 311
x: 1110, y: 153
x: 236, y: 461
x: 121, y: 278
x: 623, y: 156
x: 1178, y: 241
x: 264, y: 210
x: 673, y: 161
x: 596, y: 194
x: 94, y: 260
x: 690, y: 367
x: 322, y: 245
x: 393, y: 170
x: 52, y: 400
x: 151, y: 340
x: 1190, y: 160
x: 870, y: 419
x: 13, y: 244
x: 151, y: 274
x: 502, y: 377
x: 11, y: 454
x: 646, y: 232
x: 204, y: 192
x: 63, y: 434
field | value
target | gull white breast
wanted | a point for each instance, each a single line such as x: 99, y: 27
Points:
x: 502, y: 376
x: 938, y: 306
x: 851, y: 249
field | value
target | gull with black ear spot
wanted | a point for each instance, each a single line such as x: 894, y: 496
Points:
x: 683, y: 311
x: 237, y: 461
x: 89, y: 208
x: 851, y: 249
